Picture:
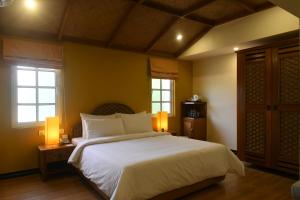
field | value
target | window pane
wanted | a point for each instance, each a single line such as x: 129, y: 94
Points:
x: 46, y: 111
x: 156, y: 95
x: 46, y: 78
x: 155, y: 83
x: 166, y: 107
x: 46, y: 95
x: 26, y: 78
x: 166, y: 95
x: 155, y: 108
x: 26, y: 114
x: 26, y: 95
x: 166, y: 84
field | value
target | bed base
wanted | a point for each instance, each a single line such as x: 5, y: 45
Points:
x: 171, y: 195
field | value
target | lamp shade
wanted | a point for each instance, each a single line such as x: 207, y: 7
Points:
x: 162, y: 121
x: 52, y: 130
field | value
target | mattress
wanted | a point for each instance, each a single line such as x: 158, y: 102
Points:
x: 141, y: 166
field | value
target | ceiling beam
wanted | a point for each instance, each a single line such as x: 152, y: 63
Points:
x: 123, y: 20
x: 161, y: 34
x: 245, y: 5
x: 174, y: 12
x: 64, y: 19
x: 197, y: 37
x: 264, y: 6
x: 196, y: 7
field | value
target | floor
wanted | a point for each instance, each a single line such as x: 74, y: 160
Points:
x: 255, y: 185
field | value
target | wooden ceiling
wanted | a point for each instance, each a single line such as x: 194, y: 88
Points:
x: 146, y: 26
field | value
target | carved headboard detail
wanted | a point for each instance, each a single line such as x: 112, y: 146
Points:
x: 105, y: 109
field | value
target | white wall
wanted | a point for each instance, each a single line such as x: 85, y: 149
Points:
x: 215, y: 80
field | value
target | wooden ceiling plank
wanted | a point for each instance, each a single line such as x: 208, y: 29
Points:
x: 196, y: 7
x: 122, y: 22
x: 197, y: 37
x: 64, y: 18
x: 161, y: 34
x: 249, y: 8
x: 174, y: 12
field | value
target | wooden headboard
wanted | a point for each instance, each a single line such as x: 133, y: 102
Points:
x: 105, y: 109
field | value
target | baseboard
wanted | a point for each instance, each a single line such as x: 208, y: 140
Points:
x: 272, y: 171
x: 19, y: 173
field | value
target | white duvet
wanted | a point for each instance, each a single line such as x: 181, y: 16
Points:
x: 141, y: 166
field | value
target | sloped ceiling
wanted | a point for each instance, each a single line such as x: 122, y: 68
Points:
x: 244, y: 33
x: 146, y: 26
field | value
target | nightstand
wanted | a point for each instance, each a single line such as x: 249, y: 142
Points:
x: 53, y: 159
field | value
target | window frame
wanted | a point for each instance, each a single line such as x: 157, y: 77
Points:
x: 14, y: 95
x: 172, y: 96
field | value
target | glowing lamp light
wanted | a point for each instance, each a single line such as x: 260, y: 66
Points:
x: 30, y: 4
x: 51, y: 131
x: 162, y: 121
x: 179, y: 37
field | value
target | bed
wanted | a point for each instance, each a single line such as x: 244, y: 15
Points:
x: 149, y: 165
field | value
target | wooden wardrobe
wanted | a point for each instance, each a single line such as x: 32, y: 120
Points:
x: 269, y: 105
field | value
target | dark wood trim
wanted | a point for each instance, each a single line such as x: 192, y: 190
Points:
x: 101, y: 44
x: 291, y: 41
x: 64, y: 18
x: 275, y: 171
x: 196, y: 38
x: 165, y: 29
x: 244, y: 5
x: 196, y: 7
x: 121, y: 23
x: 85, y: 41
x: 240, y: 106
x: 244, y: 14
x: 19, y: 173
x: 264, y: 6
x: 176, y: 13
x: 38, y: 35
x: 205, y: 21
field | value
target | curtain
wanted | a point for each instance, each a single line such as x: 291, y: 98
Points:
x: 33, y: 53
x: 163, y: 68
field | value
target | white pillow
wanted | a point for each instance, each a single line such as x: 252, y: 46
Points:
x: 137, y: 123
x: 87, y: 116
x: 104, y: 127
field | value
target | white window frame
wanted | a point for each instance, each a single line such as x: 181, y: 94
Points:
x: 14, y: 96
x: 172, y: 96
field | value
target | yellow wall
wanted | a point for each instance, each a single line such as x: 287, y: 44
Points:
x: 215, y: 80
x: 92, y: 76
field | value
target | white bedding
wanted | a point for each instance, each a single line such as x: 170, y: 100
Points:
x: 77, y: 140
x: 141, y: 166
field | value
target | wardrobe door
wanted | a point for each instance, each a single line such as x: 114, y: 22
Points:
x: 254, y: 114
x: 286, y: 109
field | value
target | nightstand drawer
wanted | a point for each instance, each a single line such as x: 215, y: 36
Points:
x: 58, y: 155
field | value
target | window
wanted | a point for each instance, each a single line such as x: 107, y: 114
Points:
x: 162, y: 95
x: 35, y: 95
